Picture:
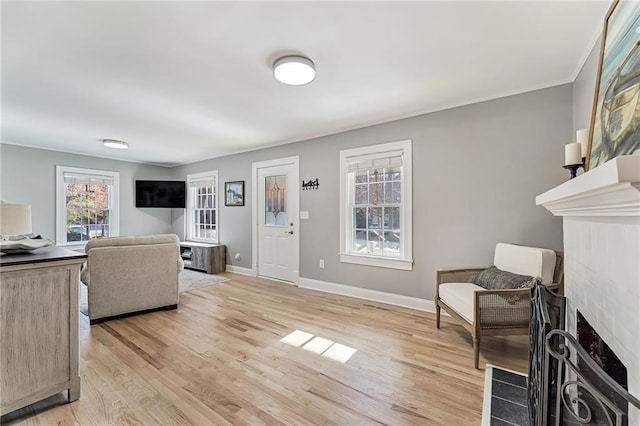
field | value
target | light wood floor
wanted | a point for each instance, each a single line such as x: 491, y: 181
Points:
x: 218, y: 359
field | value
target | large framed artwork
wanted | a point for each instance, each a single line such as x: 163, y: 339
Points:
x: 615, y: 118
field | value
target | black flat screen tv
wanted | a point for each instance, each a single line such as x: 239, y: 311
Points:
x: 161, y: 193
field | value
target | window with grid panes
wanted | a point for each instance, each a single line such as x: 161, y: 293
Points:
x: 376, y: 205
x: 87, y: 205
x: 202, y: 202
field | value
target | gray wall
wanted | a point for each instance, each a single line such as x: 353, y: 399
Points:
x: 28, y: 175
x: 583, y: 90
x: 477, y: 171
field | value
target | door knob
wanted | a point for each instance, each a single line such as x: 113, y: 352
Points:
x: 288, y: 232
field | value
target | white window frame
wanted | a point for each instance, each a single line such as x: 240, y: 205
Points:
x: 61, y: 211
x: 347, y: 188
x: 189, y: 222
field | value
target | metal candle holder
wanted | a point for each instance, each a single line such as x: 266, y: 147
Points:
x: 573, y: 168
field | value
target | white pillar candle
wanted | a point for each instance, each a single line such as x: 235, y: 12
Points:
x: 582, y: 137
x: 572, y: 153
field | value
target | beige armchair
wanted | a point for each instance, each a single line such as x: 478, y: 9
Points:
x: 497, y: 312
x: 131, y: 275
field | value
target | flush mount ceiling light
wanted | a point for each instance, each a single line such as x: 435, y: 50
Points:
x: 294, y: 70
x: 112, y: 143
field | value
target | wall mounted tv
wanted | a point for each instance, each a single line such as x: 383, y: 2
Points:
x: 160, y: 193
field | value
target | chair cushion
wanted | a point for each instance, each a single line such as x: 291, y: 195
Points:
x: 536, y: 262
x: 460, y: 297
x: 495, y: 279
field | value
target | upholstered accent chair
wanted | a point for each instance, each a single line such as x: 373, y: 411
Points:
x: 497, y: 311
x: 130, y: 275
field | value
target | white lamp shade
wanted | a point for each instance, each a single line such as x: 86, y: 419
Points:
x: 15, y: 219
x: 294, y: 70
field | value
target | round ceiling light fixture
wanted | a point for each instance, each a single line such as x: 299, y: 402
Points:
x: 113, y: 143
x: 294, y: 70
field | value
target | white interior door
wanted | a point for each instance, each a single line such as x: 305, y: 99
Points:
x: 278, y: 241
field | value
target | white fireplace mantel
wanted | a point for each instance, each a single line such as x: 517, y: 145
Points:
x: 613, y: 189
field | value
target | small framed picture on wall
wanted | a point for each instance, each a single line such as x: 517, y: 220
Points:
x: 234, y: 193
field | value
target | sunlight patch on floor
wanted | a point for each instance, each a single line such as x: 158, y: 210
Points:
x: 340, y: 353
x: 297, y: 338
x: 319, y: 345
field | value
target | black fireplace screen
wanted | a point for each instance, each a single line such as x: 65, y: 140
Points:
x: 566, y: 386
x: 547, y: 315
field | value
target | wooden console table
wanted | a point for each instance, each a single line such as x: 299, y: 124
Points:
x: 39, y: 326
x: 209, y: 258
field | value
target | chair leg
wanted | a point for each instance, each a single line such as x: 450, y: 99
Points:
x: 476, y: 352
x: 438, y: 316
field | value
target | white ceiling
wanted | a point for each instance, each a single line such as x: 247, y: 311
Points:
x: 187, y: 81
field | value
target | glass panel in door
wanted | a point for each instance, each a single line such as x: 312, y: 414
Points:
x: 275, y: 196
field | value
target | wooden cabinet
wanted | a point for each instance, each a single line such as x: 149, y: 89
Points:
x: 209, y: 258
x: 39, y: 326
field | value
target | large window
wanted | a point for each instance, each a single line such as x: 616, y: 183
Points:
x: 202, y: 206
x: 375, y: 205
x: 86, y: 205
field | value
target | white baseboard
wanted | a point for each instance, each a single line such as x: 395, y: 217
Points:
x: 373, y: 295
x: 240, y: 270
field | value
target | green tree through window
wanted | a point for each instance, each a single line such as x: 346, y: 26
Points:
x: 86, y: 204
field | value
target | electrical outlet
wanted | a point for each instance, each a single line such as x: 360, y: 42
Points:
x: 321, y: 263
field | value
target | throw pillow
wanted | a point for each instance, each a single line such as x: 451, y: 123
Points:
x: 495, y: 279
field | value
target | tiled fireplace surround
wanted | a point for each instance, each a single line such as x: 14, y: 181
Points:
x: 601, y: 221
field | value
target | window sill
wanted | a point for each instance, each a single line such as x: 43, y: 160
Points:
x: 202, y: 240
x: 381, y: 262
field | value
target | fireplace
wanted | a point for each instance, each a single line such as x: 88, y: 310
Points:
x: 607, y: 360
x: 600, y: 211
x: 566, y: 382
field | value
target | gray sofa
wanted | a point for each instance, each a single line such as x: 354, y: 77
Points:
x: 131, y: 275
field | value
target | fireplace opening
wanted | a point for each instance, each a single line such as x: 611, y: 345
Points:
x: 606, y: 359
x: 600, y: 352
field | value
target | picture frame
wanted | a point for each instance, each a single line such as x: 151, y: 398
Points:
x: 234, y: 193
x: 615, y: 115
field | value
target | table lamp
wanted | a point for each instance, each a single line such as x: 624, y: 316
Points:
x: 15, y: 219
x: 15, y: 230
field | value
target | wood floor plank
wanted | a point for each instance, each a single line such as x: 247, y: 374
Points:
x: 219, y: 360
